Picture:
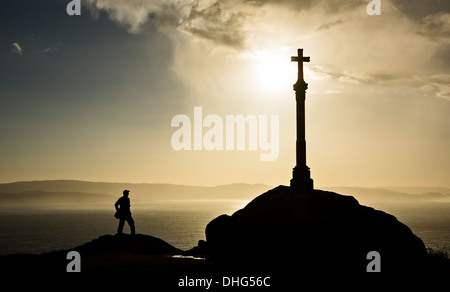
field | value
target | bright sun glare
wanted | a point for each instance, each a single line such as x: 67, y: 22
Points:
x: 275, y: 71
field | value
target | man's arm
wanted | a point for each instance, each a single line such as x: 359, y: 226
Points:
x: 116, y: 205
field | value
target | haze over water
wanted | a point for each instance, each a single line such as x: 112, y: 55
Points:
x: 182, y: 223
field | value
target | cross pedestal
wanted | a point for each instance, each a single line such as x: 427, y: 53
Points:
x: 301, y: 176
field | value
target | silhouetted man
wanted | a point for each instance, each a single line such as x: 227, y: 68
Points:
x: 124, y: 212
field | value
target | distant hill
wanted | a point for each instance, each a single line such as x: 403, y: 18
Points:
x: 53, y: 198
x: 84, y: 192
x: 420, y: 190
x: 81, y: 192
x: 367, y: 196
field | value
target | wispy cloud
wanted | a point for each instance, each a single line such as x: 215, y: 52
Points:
x: 322, y: 73
x: 15, y: 48
x: 50, y: 49
x: 333, y: 91
x: 329, y: 25
x: 436, y: 27
x: 436, y: 84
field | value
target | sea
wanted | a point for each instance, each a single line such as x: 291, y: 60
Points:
x: 40, y: 229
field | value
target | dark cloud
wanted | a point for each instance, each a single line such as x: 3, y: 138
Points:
x: 436, y: 27
x: 329, y: 25
x: 229, y: 22
x: 329, y: 6
x: 418, y: 9
x: 441, y: 58
x: 214, y: 24
x: 223, y: 22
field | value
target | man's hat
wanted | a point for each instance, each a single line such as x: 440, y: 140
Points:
x: 126, y: 192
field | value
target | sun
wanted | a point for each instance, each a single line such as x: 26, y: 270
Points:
x: 275, y: 70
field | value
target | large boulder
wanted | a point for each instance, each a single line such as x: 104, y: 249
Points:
x: 315, y: 230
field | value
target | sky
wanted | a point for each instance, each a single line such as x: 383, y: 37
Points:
x: 93, y: 96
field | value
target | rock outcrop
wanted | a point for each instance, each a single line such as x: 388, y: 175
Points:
x: 108, y: 253
x: 316, y: 230
x: 138, y: 244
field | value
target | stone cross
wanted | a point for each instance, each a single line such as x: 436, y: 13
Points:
x: 301, y: 177
x: 300, y: 59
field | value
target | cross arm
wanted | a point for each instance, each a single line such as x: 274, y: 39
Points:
x: 296, y: 59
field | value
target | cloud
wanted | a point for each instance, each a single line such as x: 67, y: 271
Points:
x: 436, y: 84
x: 418, y: 9
x: 221, y: 22
x: 329, y: 25
x: 323, y: 73
x: 15, y: 48
x: 229, y: 22
x: 328, y: 6
x: 133, y: 14
x: 50, y: 49
x: 224, y: 22
x: 217, y: 23
x: 349, y: 46
x: 332, y: 91
x: 436, y: 27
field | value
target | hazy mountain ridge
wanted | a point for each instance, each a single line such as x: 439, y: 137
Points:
x: 389, y: 195
x: 52, y: 198
x: 82, y: 192
x: 72, y: 192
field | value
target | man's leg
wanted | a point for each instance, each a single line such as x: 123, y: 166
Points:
x: 131, y: 223
x: 121, y: 223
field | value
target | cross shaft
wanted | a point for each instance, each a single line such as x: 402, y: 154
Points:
x: 301, y: 177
